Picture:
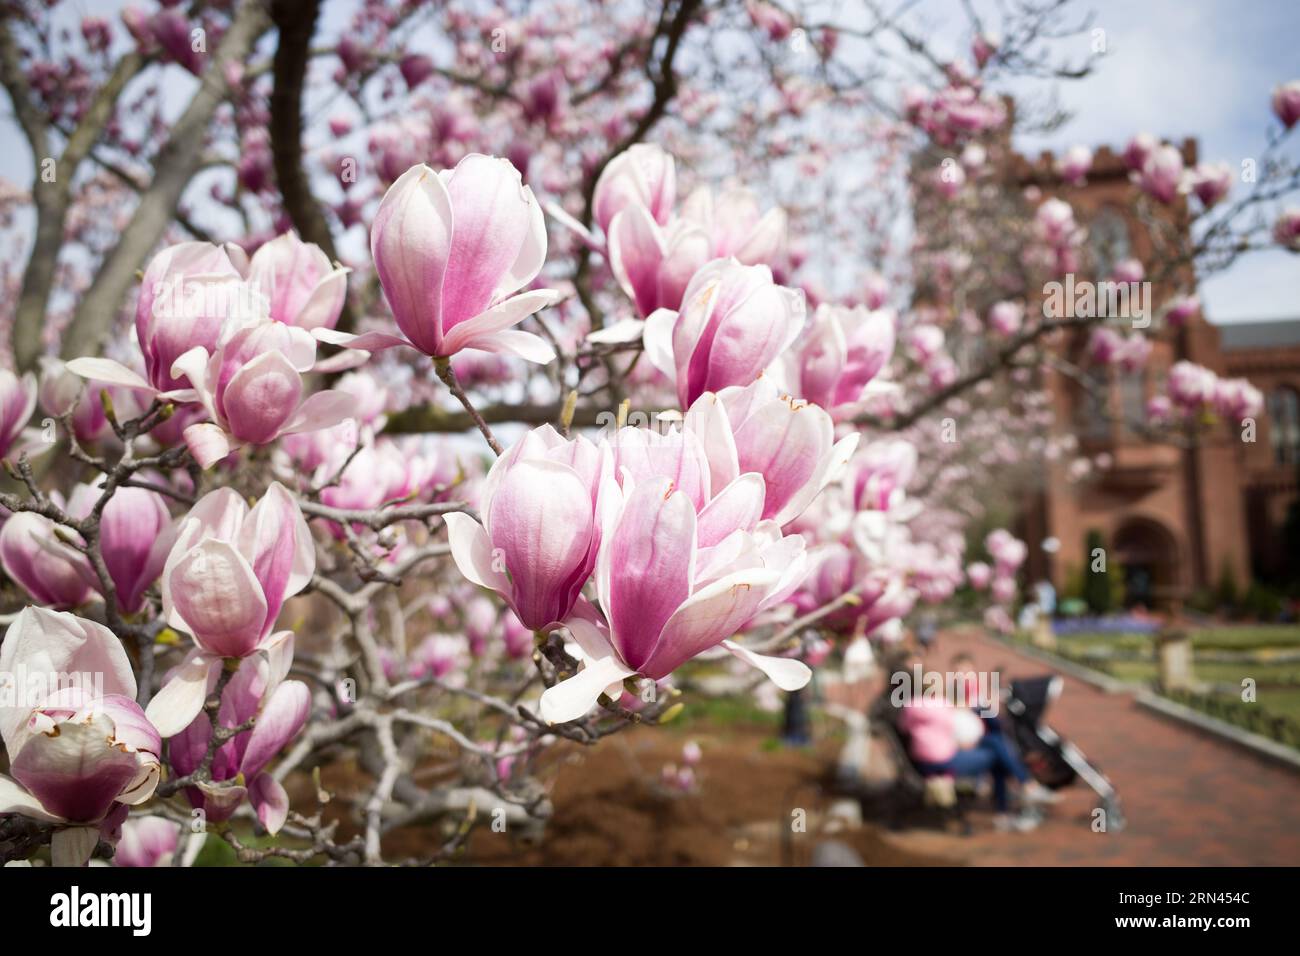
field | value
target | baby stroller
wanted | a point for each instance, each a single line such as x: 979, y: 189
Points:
x: 1054, y: 761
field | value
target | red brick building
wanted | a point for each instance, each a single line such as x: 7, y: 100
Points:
x: 1179, y: 518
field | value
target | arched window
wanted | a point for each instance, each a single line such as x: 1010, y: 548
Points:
x: 1108, y: 240
x: 1284, y: 425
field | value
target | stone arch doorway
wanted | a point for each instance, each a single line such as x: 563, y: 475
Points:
x: 1148, y: 554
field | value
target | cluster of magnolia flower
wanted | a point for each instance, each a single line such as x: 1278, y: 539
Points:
x: 227, y: 342
x: 925, y: 344
x: 1060, y: 234
x: 81, y: 752
x: 682, y: 532
x: 957, y: 113
x: 648, y: 547
x: 1107, y: 346
x: 961, y: 110
x: 1008, y: 553
x: 1159, y: 171
x: 1192, y: 390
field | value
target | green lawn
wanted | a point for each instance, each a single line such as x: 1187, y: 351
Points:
x: 1131, y: 657
x: 1248, y: 637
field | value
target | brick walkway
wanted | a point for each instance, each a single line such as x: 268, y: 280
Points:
x: 1190, y: 798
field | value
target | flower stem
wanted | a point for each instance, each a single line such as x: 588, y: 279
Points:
x: 448, y: 375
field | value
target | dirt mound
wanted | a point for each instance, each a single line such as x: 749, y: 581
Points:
x: 753, y: 805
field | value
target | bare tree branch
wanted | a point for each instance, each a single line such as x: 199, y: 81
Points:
x: 175, y: 166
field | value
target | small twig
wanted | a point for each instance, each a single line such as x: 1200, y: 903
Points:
x: 448, y: 376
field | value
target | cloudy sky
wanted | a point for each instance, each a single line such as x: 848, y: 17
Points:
x: 1207, y: 68
x: 1173, y: 68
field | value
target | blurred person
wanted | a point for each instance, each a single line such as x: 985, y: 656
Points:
x: 926, y: 630
x: 944, y: 739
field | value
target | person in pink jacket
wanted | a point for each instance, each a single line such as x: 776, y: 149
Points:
x: 935, y: 731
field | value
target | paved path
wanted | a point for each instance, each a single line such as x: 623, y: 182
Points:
x: 1190, y: 798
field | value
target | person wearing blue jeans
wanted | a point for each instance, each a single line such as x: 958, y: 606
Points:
x: 992, y: 755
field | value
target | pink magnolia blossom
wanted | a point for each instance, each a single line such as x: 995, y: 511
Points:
x: 954, y: 113
x: 973, y: 158
x: 941, y: 371
x: 440, y: 656
x: 415, y: 69
x: 538, y: 541
x: 843, y: 352
x: 640, y: 454
x: 1003, y: 589
x: 654, y: 264
x: 224, y: 583
x: 734, y: 323
x: 302, y: 288
x: 135, y: 535
x: 984, y: 47
x: 1008, y: 551
x: 80, y: 748
x: 479, y: 623
x: 518, y: 639
x: 1138, y: 150
x: 321, y: 453
x: 884, y: 596
x: 949, y: 179
x: 1128, y: 271
x: 1162, y: 176
x: 644, y: 175
x: 97, y: 32
x: 735, y: 226
x: 52, y: 572
x: 544, y: 100
x: 1055, y: 224
x: 1159, y: 408
x: 924, y: 342
x: 935, y: 574
x: 62, y: 391
x: 1191, y: 385
x: 979, y: 575
x: 367, y: 474
x: 1211, y: 182
x: 668, y: 599
x: 172, y: 31
x: 17, y: 402
x: 756, y: 430
x: 875, y: 291
x: 1181, y: 309
x: 1073, y: 165
x: 1286, y: 103
x: 451, y: 250
x: 147, y: 841
x: 258, y: 691
x: 1006, y: 318
x: 880, y: 474
x: 136, y: 22
x: 396, y: 146
x: 1286, y: 231
x: 1107, y: 347
x: 252, y: 388
x: 1136, y: 352
x: 776, y: 23
x: 340, y: 125
x: 188, y: 294
x: 1236, y: 399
